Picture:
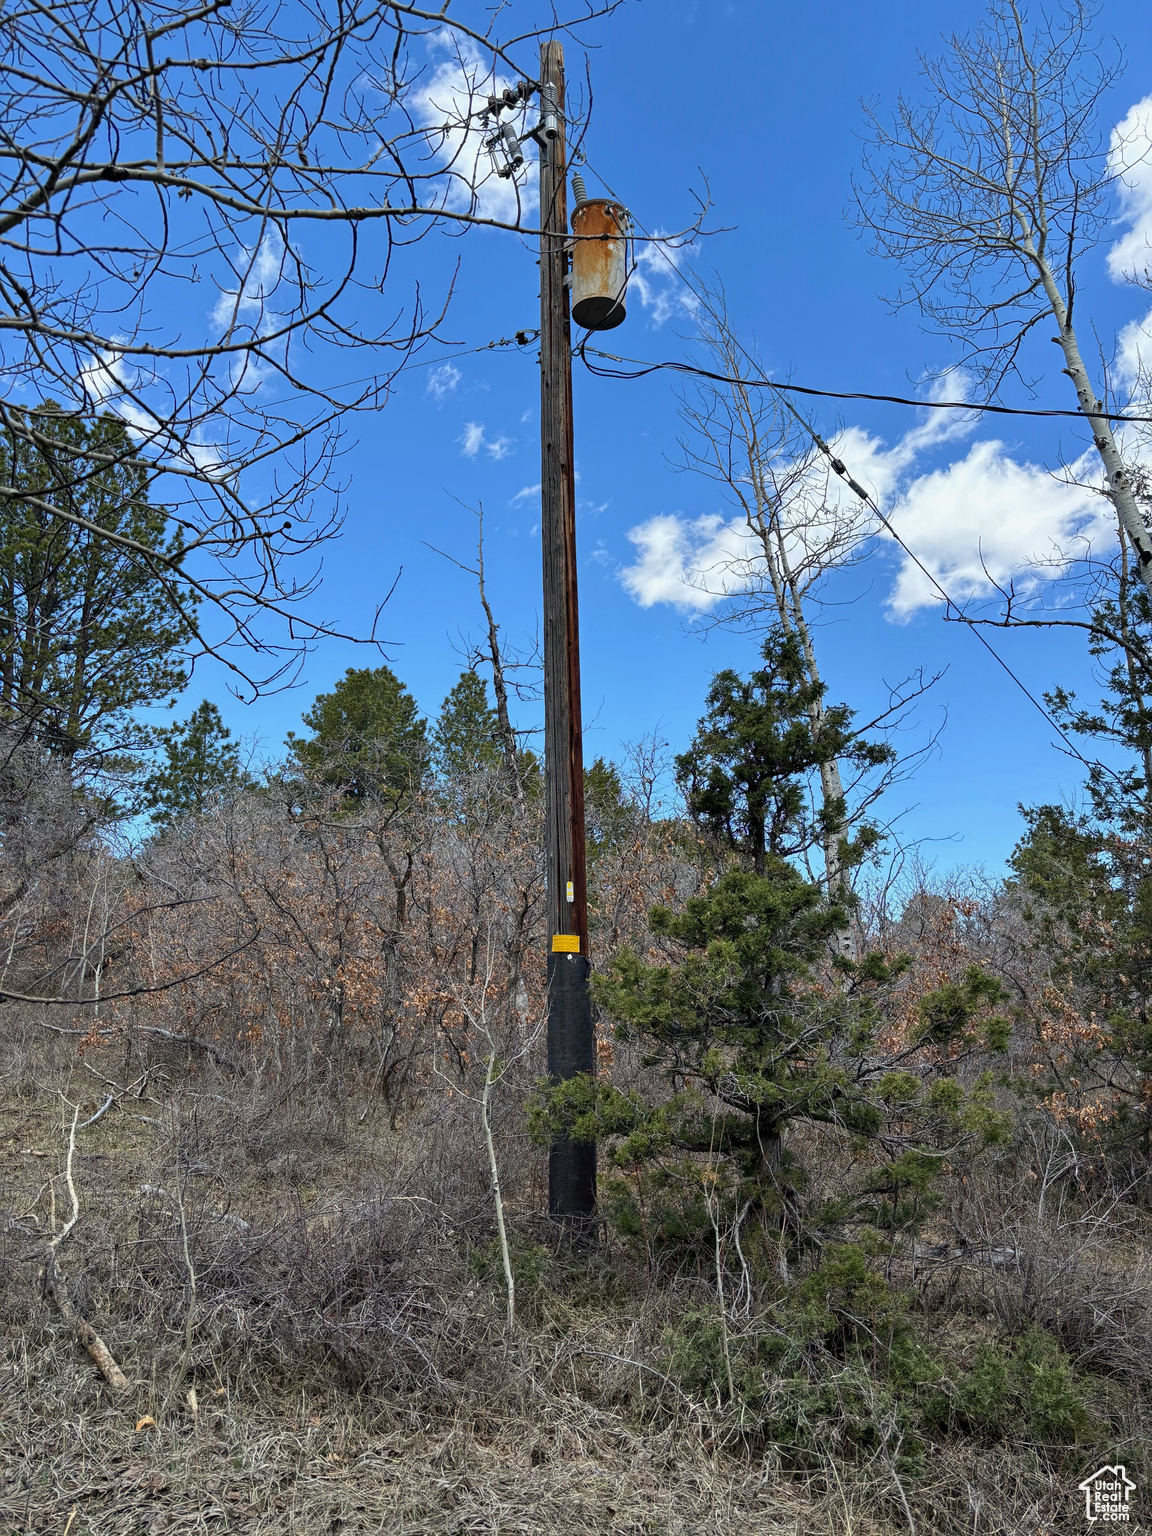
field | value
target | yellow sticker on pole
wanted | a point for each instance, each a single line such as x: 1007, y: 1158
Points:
x: 565, y: 943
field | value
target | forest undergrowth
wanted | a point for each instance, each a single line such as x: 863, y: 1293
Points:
x: 924, y: 1308
x: 872, y: 1250
x: 352, y: 1370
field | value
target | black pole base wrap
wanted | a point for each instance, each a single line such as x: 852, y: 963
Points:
x: 571, y: 1051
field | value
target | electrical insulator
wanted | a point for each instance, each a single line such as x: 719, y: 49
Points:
x: 549, y: 119
x: 512, y: 148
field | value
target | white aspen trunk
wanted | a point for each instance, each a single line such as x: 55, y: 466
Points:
x: 1119, y: 485
x: 832, y: 794
x: 494, y: 1171
x: 791, y: 611
x: 759, y: 503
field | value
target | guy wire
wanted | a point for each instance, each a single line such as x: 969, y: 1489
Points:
x: 840, y: 468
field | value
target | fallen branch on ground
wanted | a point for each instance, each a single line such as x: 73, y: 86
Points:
x: 56, y: 1285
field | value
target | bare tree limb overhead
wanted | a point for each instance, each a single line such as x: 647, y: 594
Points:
x: 207, y: 215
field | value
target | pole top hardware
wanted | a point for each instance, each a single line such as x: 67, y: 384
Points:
x: 503, y: 143
x: 511, y: 96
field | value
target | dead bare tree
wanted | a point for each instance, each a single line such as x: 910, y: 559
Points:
x: 55, y: 1284
x: 798, y: 528
x: 498, y: 661
x: 989, y: 188
x: 202, y: 207
x: 491, y: 653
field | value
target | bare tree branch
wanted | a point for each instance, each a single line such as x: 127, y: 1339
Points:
x: 987, y: 191
x: 202, y: 208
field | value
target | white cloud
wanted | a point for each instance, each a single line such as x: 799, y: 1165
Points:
x: 981, y: 520
x: 1130, y: 159
x: 109, y: 384
x: 244, y: 312
x: 104, y: 383
x: 471, y: 439
x: 258, y: 272
x: 1134, y: 350
x: 695, y: 563
x: 524, y: 494
x: 456, y: 89
x: 442, y: 381
x: 988, y: 519
x: 654, y: 281
x: 686, y: 562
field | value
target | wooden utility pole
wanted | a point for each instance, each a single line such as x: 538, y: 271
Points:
x: 571, y: 1042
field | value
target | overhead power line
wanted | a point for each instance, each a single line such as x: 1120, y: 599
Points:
x: 521, y: 339
x: 642, y: 369
x: 841, y: 469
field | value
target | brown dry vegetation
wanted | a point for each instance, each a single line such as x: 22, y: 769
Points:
x: 285, y: 1208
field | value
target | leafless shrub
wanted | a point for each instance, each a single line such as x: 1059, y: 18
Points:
x: 289, y: 1191
x: 1085, y: 1277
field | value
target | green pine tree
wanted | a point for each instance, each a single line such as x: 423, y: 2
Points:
x: 201, y: 762
x: 743, y: 777
x: 466, y: 739
x: 740, y: 1017
x: 368, y: 738
x: 88, y: 633
x: 607, y: 810
x: 1084, y: 884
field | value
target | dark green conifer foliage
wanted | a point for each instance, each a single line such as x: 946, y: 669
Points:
x: 87, y: 632
x: 607, y: 811
x: 743, y: 777
x: 1085, y: 883
x: 368, y: 737
x: 754, y: 1026
x: 201, y: 761
x: 467, y: 735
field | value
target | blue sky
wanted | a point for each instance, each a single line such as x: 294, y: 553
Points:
x: 761, y: 100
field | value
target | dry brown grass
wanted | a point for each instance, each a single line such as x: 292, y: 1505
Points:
x: 350, y: 1370
x: 322, y: 1464
x: 347, y: 1349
